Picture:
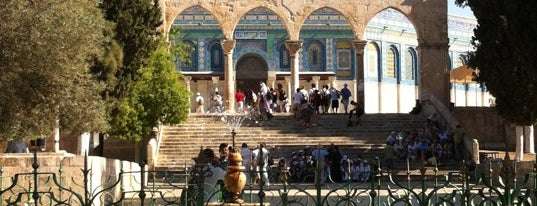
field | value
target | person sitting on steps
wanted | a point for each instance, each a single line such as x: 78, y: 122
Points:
x: 358, y: 110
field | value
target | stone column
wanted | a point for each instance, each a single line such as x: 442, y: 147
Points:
x: 271, y: 80
x: 57, y: 136
x: 229, y: 92
x: 529, y: 147
x: 519, y: 150
x: 315, y: 80
x: 187, y: 80
x: 293, y: 47
x: 359, y: 46
x: 433, y: 71
x: 331, y: 81
x: 83, y: 143
x: 215, y: 85
x: 289, y: 89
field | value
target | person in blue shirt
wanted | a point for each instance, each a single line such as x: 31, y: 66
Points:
x: 345, y: 96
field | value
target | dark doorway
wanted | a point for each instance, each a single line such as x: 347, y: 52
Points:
x: 251, y: 69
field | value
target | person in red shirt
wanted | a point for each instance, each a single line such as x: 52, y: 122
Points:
x: 240, y: 100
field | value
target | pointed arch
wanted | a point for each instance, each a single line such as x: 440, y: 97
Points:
x: 372, y: 61
x: 195, y: 16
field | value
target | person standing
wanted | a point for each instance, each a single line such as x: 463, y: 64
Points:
x: 334, y: 94
x: 297, y: 103
x: 261, y: 160
x: 345, y: 96
x: 217, y: 102
x: 239, y: 97
x: 282, y: 99
x: 246, y: 155
x: 200, y: 102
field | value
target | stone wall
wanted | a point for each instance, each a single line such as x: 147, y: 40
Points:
x: 68, y: 172
x: 485, y: 125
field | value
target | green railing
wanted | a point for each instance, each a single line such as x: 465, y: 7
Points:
x: 188, y: 187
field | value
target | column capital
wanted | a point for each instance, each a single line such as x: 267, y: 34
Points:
x: 316, y: 78
x: 215, y: 80
x: 293, y: 47
x: 187, y: 79
x: 359, y: 46
x: 228, y: 45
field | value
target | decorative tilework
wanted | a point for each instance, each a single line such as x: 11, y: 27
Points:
x: 329, y: 54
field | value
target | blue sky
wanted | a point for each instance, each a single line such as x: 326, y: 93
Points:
x: 458, y: 11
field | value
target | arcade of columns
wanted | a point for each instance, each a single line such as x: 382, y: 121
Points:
x: 429, y: 19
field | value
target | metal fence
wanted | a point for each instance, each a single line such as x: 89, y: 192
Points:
x: 188, y: 186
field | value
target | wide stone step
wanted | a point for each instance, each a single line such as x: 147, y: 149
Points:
x: 183, y: 142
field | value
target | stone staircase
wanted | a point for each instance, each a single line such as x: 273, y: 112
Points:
x: 183, y: 142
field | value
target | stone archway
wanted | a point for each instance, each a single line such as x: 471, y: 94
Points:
x: 251, y: 69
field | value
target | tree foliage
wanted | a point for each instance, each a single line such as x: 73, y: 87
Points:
x: 136, y: 32
x: 45, y: 50
x: 505, y: 55
x: 159, y: 95
x: 142, y: 84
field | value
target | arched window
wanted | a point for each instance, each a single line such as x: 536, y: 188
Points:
x: 217, y: 57
x: 391, y: 64
x: 372, y: 60
x: 315, y: 54
x: 409, y: 71
x: 285, y: 58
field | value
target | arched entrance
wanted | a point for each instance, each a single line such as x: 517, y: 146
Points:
x: 251, y: 69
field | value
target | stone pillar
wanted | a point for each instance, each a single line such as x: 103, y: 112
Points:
x: 475, y: 150
x: 433, y: 71
x: 315, y: 80
x: 229, y: 92
x: 290, y: 90
x: 519, y: 135
x: 57, y: 137
x: 331, y: 81
x: 215, y: 85
x: 83, y: 143
x: 187, y: 80
x: 293, y: 47
x: 529, y: 147
x: 359, y: 46
x: 271, y: 80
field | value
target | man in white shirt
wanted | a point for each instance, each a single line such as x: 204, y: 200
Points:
x: 200, y: 103
x: 297, y: 103
x: 260, y: 158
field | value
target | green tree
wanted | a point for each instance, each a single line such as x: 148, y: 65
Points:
x: 136, y: 24
x: 143, y: 90
x: 505, y: 55
x: 45, y: 52
x: 159, y: 95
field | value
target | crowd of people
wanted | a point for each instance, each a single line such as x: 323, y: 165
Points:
x: 305, y: 104
x: 333, y: 166
x: 308, y: 104
x: 430, y: 144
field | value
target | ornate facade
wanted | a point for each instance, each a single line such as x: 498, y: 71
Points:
x: 389, y: 52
